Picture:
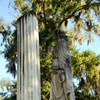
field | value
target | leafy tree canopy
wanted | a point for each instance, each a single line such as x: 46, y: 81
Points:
x: 86, y: 69
x: 78, y: 18
x: 7, y: 90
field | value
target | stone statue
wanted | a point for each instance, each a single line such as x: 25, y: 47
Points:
x: 61, y: 70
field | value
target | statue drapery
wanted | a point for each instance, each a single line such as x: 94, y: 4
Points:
x: 61, y: 70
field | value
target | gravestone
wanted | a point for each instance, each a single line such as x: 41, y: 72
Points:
x: 28, y: 70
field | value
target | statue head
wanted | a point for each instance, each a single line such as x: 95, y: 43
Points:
x: 59, y: 34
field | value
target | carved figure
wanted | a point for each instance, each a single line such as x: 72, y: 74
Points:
x: 61, y: 70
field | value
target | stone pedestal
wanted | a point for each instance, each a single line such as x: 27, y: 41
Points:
x: 28, y: 70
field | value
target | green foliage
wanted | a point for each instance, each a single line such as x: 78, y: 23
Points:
x: 86, y: 70
x: 4, y: 30
x: 83, y: 96
x: 45, y: 93
x: 8, y: 90
x: 11, y: 53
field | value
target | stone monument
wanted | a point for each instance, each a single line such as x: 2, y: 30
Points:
x: 28, y: 70
x: 61, y: 70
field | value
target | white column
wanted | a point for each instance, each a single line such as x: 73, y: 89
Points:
x: 28, y: 74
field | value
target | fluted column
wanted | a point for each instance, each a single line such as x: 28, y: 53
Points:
x: 28, y: 70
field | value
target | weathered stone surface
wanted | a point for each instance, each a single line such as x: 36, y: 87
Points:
x: 61, y: 71
x: 28, y: 85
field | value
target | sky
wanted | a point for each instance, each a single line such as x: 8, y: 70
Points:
x: 95, y: 46
x: 6, y: 13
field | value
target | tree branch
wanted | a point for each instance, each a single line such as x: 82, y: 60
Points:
x: 44, y: 12
x: 78, y: 9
